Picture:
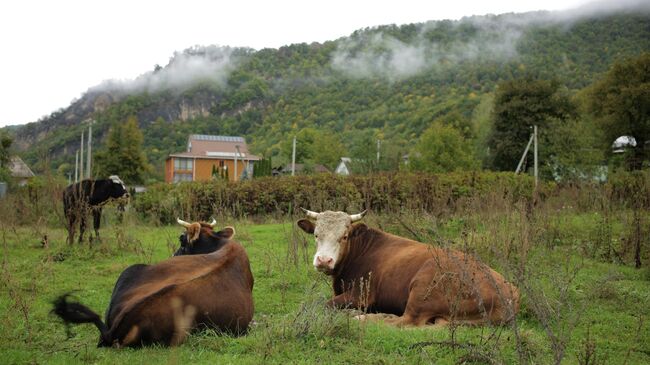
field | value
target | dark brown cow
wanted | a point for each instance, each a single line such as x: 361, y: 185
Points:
x: 383, y: 273
x: 161, y: 303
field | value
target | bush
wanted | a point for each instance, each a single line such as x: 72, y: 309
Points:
x: 390, y: 192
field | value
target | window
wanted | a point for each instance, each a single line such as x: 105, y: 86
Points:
x: 183, y: 164
x: 220, y: 163
x: 182, y: 177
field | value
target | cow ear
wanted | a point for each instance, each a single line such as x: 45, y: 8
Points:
x: 357, y: 230
x: 227, y: 233
x: 306, y: 225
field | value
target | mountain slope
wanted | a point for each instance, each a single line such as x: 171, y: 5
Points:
x: 386, y: 82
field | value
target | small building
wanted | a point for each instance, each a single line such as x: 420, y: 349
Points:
x: 343, y: 167
x: 19, y: 170
x: 210, y: 157
x: 303, y: 169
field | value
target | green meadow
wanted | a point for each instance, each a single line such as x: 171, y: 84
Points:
x: 579, y: 305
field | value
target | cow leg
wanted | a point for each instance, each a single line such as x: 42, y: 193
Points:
x: 82, y: 227
x: 438, y: 296
x: 72, y: 226
x: 347, y: 300
x: 427, y: 302
x: 97, y: 218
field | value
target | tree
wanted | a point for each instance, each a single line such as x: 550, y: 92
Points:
x: 519, y: 105
x: 620, y: 102
x: 122, y: 155
x: 315, y: 147
x: 5, y: 143
x: 442, y: 148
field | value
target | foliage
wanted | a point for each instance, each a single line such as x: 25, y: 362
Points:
x: 5, y: 144
x: 387, y: 192
x: 122, y: 154
x: 314, y: 147
x: 620, y: 101
x: 442, y: 148
x: 263, y: 168
x: 519, y: 105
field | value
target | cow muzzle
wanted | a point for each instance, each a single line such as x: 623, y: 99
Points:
x: 324, y: 264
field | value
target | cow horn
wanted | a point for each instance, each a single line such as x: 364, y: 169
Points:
x: 183, y: 223
x: 214, y: 221
x: 356, y: 217
x: 311, y: 214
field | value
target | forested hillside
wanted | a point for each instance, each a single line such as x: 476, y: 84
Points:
x: 388, y: 83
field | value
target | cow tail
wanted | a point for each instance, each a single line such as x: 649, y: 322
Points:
x: 76, y: 313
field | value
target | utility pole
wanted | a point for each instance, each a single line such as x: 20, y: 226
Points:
x: 533, y: 141
x: 241, y: 157
x: 293, y: 157
x: 81, y: 157
x: 89, y: 157
x: 378, y: 153
x: 523, y: 156
x: 235, y: 177
x: 535, y: 154
x: 76, y: 167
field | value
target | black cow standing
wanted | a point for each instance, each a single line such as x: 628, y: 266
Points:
x: 89, y: 196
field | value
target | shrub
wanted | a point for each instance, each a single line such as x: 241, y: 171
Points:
x: 389, y: 192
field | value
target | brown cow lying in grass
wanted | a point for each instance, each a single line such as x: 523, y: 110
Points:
x: 382, y: 273
x: 162, y: 303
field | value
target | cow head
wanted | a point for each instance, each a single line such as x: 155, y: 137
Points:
x: 117, y: 189
x: 200, y: 238
x: 331, y: 233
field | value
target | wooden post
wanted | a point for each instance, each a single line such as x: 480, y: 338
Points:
x: 89, y: 157
x: 523, y: 156
x: 535, y: 154
x: 235, y: 177
x: 81, y: 157
x: 293, y: 157
x: 76, y: 166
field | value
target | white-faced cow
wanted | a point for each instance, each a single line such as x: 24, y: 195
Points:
x: 90, y: 196
x: 421, y: 284
x: 162, y: 303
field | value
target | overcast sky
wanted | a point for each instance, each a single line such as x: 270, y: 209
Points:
x: 52, y: 51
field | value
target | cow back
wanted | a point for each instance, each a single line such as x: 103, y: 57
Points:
x: 218, y: 286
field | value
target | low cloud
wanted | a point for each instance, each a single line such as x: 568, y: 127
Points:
x: 376, y: 53
x: 212, y: 64
x: 382, y: 55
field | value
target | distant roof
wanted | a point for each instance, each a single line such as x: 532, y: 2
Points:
x: 206, y: 137
x: 624, y: 141
x: 19, y: 168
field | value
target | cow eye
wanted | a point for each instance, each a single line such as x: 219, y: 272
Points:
x: 345, y: 237
x: 315, y: 235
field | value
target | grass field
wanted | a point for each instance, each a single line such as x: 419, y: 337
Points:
x: 576, y: 306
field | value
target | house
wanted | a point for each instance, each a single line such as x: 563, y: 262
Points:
x: 209, y: 157
x: 344, y: 166
x: 19, y: 170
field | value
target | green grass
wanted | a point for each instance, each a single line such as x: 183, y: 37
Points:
x: 605, y: 305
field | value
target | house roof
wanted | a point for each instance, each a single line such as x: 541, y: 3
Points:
x: 19, y: 168
x: 216, y: 147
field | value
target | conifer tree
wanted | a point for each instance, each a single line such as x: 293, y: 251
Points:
x: 123, y: 155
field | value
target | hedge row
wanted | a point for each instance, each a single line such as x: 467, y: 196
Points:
x: 380, y: 193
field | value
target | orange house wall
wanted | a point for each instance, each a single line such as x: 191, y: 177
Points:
x: 169, y: 163
x: 203, y: 169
